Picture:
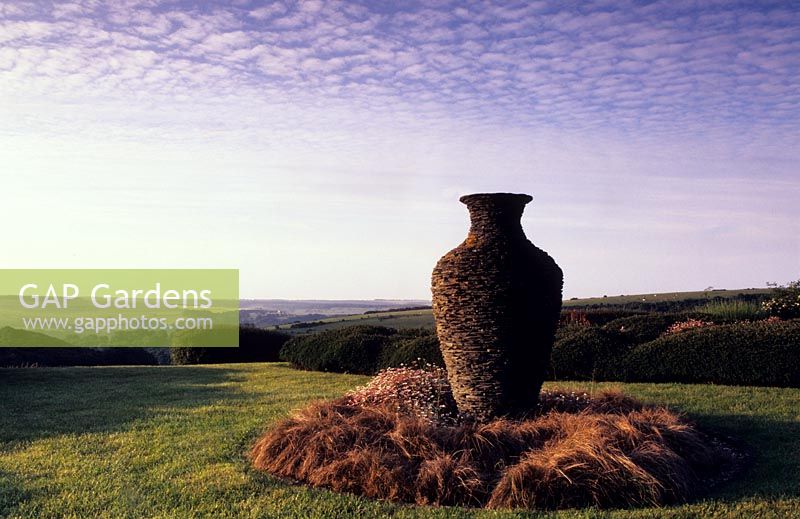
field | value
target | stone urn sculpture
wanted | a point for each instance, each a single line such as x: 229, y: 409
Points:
x: 496, y: 301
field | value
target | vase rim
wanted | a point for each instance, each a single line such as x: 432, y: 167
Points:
x: 519, y: 198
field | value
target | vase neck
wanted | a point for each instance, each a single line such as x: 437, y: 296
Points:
x: 496, y: 216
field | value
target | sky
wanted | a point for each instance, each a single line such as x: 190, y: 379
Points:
x: 321, y: 146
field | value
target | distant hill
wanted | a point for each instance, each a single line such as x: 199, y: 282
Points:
x: 327, y: 306
x: 13, y: 337
x: 667, y: 297
x: 23, y: 348
x: 267, y: 313
x: 393, y: 319
x: 423, y: 318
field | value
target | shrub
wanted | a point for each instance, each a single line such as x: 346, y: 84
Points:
x: 362, y: 349
x: 567, y: 330
x: 355, y: 349
x: 124, y: 356
x: 785, y: 303
x: 255, y: 345
x: 643, y: 328
x: 631, y: 348
x: 83, y: 356
x: 406, y: 351
x: 746, y: 353
x: 163, y: 356
x: 587, y: 354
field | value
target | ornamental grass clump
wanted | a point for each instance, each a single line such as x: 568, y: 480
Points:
x: 575, y: 450
x: 732, y: 310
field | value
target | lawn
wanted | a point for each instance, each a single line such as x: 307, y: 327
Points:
x: 169, y: 442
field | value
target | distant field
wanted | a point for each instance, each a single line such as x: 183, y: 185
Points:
x: 665, y: 297
x: 424, y: 318
x: 170, y: 441
x: 400, y: 319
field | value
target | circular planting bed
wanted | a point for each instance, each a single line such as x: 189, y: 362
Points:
x: 399, y: 438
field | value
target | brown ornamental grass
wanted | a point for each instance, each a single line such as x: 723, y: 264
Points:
x: 576, y: 451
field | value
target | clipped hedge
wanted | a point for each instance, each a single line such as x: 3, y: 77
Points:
x: 57, y: 357
x: 255, y: 345
x: 587, y: 353
x: 354, y: 349
x: 361, y: 349
x: 595, y: 316
x: 638, y: 329
x: 746, y: 353
x: 408, y: 351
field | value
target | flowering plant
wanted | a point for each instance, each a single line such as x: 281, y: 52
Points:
x: 574, y: 318
x: 785, y: 303
x: 686, y: 325
x: 422, y: 391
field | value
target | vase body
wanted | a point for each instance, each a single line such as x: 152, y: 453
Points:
x: 496, y: 301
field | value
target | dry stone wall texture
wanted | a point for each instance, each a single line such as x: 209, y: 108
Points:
x: 496, y: 300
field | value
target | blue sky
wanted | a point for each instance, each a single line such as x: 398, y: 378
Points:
x: 321, y: 146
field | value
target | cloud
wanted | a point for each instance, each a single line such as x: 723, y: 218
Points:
x: 667, y: 128
x: 269, y: 11
x: 661, y: 72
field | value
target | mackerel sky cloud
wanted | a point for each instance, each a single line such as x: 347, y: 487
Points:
x: 320, y: 146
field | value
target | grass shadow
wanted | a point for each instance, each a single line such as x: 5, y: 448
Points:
x: 11, y: 492
x: 42, y: 402
x: 771, y: 446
